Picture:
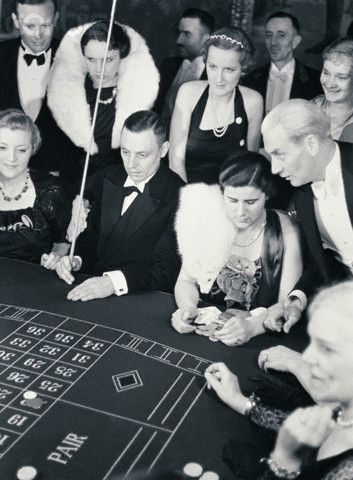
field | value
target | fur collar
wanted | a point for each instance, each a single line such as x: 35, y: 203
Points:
x: 204, y: 232
x: 137, y: 86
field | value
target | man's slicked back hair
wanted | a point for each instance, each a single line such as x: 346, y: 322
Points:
x: 143, y: 120
x: 35, y: 2
x: 206, y: 20
x: 292, y: 18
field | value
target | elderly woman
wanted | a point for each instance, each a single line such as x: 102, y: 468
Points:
x: 314, y: 442
x: 130, y: 83
x: 337, y: 83
x: 34, y: 214
x: 214, y: 118
x: 234, y: 249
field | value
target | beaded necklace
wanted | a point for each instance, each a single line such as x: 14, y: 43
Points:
x: 19, y: 195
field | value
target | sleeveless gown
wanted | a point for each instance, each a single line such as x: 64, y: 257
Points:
x: 204, y: 151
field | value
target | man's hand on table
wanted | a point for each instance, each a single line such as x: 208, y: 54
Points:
x: 283, y: 315
x: 96, y: 287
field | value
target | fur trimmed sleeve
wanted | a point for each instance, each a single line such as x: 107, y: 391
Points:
x: 204, y: 232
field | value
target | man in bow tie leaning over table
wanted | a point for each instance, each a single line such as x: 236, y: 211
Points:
x: 284, y: 77
x: 297, y: 137
x: 25, y: 64
x: 129, y: 236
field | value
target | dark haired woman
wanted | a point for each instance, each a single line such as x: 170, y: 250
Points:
x: 214, y: 118
x: 130, y: 83
x: 242, y: 255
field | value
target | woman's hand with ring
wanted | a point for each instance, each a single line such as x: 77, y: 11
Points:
x: 236, y: 331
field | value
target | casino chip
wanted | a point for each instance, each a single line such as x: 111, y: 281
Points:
x: 29, y: 395
x: 26, y: 473
x: 209, y: 476
x: 193, y: 470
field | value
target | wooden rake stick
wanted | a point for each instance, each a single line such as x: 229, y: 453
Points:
x: 91, y: 139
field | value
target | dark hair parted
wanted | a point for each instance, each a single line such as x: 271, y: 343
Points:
x: 36, y: 2
x: 206, y: 20
x: 99, y: 31
x: 247, y: 169
x: 146, y: 120
x: 292, y: 18
x: 17, y: 120
x: 232, y: 38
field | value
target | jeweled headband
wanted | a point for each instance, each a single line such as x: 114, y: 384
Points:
x: 227, y: 39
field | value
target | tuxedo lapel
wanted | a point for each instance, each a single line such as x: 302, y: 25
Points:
x: 296, y: 83
x: 12, y: 93
x: 139, y: 212
x: 121, y: 228
x: 111, y: 206
x: 310, y: 228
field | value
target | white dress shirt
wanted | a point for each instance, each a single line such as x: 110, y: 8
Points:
x: 279, y: 84
x: 117, y: 277
x: 332, y: 214
x: 32, y: 81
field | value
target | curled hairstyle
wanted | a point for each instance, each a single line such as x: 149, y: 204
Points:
x: 339, y: 51
x: 232, y: 38
x: 247, y: 169
x: 299, y: 118
x: 143, y: 120
x: 17, y: 120
x: 337, y: 298
x: 36, y: 2
x: 99, y: 31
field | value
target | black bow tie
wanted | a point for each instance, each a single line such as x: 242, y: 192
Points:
x: 129, y: 190
x: 39, y: 58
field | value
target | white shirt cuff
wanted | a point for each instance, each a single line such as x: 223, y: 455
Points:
x: 301, y: 296
x: 119, y: 281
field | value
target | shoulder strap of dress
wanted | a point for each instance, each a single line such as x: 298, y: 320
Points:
x: 271, y: 261
x: 200, y: 106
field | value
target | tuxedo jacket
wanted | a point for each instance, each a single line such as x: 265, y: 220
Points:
x: 320, y: 266
x: 141, y: 243
x: 56, y: 148
x: 306, y: 81
x: 168, y: 70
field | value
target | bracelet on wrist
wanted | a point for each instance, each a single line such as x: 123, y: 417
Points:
x: 279, y: 471
x: 251, y: 403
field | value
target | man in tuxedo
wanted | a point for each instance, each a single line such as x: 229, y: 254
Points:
x: 298, y: 139
x: 284, y: 77
x: 24, y: 74
x: 195, y: 27
x: 130, y: 235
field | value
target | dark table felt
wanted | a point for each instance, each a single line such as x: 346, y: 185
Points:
x: 205, y: 429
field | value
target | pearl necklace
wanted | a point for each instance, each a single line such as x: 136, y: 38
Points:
x: 343, y: 423
x: 110, y: 99
x: 254, y: 237
x: 220, y: 131
x: 19, y: 195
